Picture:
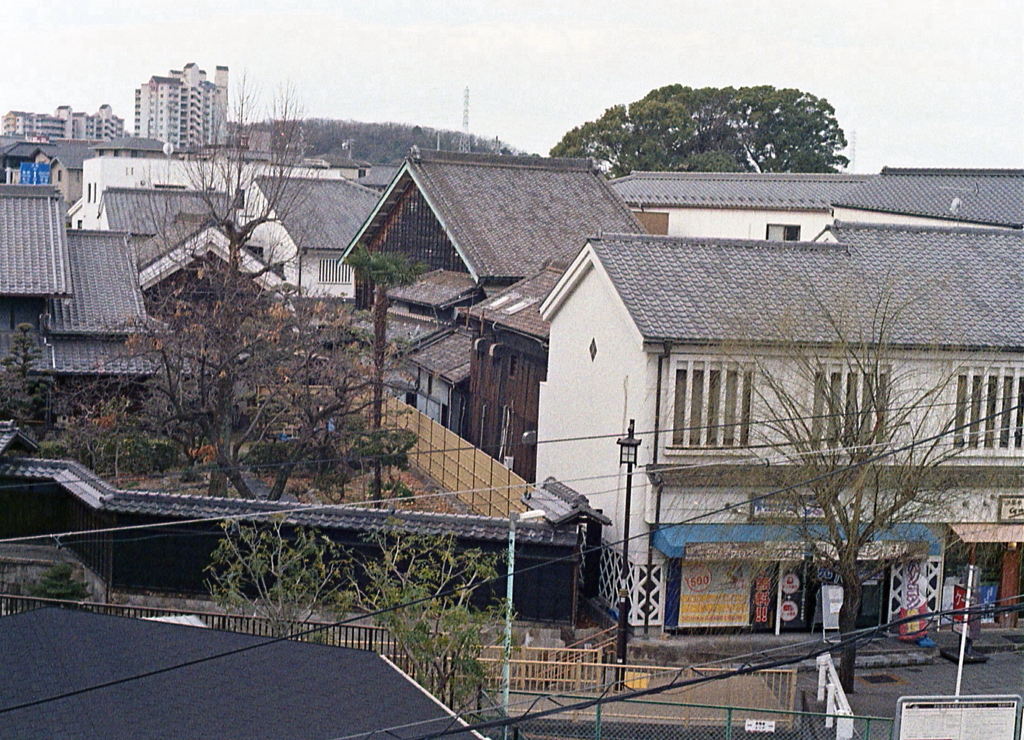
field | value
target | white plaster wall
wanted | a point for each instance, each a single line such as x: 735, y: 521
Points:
x: 740, y: 223
x: 595, y: 399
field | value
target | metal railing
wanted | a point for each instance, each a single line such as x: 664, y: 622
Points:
x: 837, y: 707
x: 660, y: 719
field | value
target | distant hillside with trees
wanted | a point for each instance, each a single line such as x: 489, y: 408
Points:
x: 385, y: 143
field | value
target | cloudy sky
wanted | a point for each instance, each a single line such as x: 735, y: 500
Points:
x: 914, y: 83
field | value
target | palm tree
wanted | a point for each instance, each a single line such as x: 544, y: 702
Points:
x: 383, y: 271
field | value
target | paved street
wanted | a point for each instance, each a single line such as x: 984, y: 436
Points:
x: 878, y: 689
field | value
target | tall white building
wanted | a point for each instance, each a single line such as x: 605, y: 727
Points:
x: 184, y: 108
x: 65, y: 123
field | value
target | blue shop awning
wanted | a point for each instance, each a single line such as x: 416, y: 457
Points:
x: 776, y: 539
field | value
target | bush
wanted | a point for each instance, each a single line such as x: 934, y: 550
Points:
x: 57, y: 583
x: 116, y: 454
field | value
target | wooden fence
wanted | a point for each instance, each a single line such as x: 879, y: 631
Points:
x: 770, y: 690
x: 483, y: 484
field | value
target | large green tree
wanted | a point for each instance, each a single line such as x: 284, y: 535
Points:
x: 745, y: 129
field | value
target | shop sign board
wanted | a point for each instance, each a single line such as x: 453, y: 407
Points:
x: 1011, y: 509
x: 714, y: 594
x: 957, y: 718
x: 831, y: 605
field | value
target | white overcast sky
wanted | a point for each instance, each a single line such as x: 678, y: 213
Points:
x: 936, y: 83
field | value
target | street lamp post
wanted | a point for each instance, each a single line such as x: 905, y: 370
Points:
x: 627, y: 456
x: 510, y: 572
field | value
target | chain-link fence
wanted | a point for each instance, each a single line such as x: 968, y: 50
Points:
x: 638, y: 719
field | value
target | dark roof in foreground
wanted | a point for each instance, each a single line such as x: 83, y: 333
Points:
x: 33, y: 245
x: 325, y: 213
x: 517, y: 307
x: 991, y: 197
x: 99, y: 494
x: 286, y: 689
x: 508, y: 216
x: 735, y: 189
x: 952, y: 287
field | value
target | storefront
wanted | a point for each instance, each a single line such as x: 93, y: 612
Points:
x: 995, y: 549
x: 762, y: 577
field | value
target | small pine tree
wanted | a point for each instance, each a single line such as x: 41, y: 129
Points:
x: 24, y: 392
x: 57, y: 583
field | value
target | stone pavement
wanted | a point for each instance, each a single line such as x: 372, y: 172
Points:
x: 888, y: 668
x: 879, y: 684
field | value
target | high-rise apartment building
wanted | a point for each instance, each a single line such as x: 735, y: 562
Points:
x: 183, y: 108
x: 65, y: 124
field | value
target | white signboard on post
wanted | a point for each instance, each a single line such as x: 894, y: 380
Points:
x: 952, y: 718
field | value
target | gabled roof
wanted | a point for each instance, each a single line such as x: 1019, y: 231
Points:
x: 325, y: 213
x: 11, y: 436
x: 106, y: 297
x: 784, y: 192
x: 991, y: 197
x: 949, y: 287
x: 448, y: 354
x: 149, y: 211
x: 283, y: 689
x: 518, y: 306
x: 33, y: 245
x: 508, y: 216
x: 440, y: 289
x: 72, y: 154
x: 562, y: 504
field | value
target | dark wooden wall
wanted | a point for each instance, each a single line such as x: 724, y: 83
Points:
x: 412, y: 229
x: 506, y: 371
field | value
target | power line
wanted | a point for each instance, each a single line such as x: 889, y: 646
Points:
x: 456, y: 589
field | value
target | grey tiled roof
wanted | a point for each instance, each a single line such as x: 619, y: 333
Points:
x: 953, y: 286
x: 993, y: 197
x: 33, y: 245
x: 518, y: 306
x: 149, y: 211
x: 11, y: 435
x: 379, y: 176
x: 89, y: 356
x: 72, y: 154
x: 165, y: 680
x: 439, y: 289
x: 511, y: 215
x: 448, y: 355
x: 735, y: 189
x: 561, y: 503
x: 106, y: 298
x: 325, y: 213
x: 98, y: 494
x: 135, y: 143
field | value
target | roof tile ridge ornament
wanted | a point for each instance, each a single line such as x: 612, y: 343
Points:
x: 563, y: 164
